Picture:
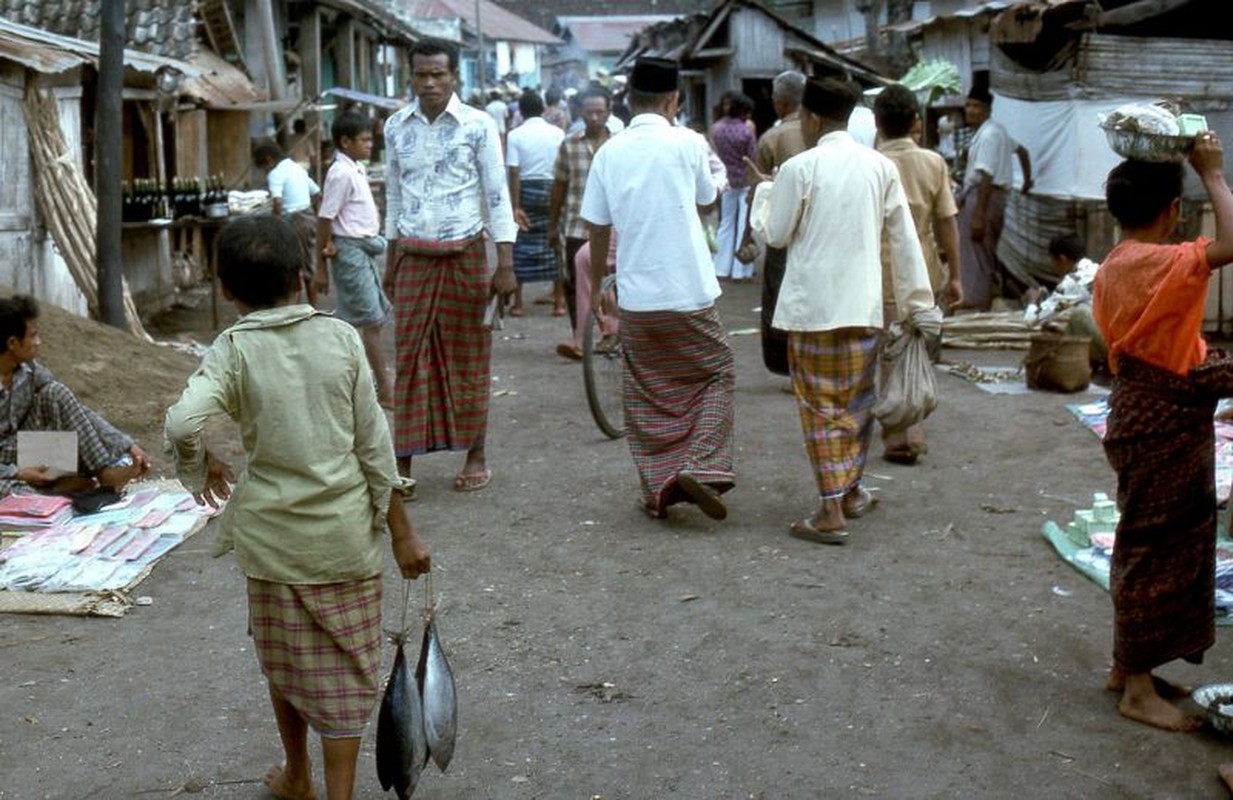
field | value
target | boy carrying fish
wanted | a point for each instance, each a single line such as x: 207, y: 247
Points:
x: 307, y: 515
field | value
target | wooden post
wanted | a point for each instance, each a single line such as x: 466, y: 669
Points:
x: 109, y: 124
x: 309, y: 48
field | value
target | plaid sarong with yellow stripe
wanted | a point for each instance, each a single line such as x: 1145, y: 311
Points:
x: 443, y: 349
x: 680, y: 377
x: 320, y: 649
x: 834, y: 377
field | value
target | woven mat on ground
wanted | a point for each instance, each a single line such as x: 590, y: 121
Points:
x: 88, y: 565
x: 1093, y: 561
x: 990, y: 330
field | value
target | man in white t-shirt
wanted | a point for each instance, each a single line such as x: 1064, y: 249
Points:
x: 295, y: 195
x: 530, y: 154
x: 647, y: 186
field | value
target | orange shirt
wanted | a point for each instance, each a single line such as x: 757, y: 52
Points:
x: 1148, y: 301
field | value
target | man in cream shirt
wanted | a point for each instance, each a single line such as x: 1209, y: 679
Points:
x: 829, y: 206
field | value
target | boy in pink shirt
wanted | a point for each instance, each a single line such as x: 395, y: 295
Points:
x: 348, y: 230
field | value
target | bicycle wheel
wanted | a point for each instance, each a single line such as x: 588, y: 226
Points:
x: 603, y: 372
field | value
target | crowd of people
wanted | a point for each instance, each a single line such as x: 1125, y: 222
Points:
x: 857, y: 235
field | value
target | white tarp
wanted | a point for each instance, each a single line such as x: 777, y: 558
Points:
x: 1069, y: 152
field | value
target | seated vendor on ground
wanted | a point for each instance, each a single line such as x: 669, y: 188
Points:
x: 31, y: 399
x: 1068, y: 307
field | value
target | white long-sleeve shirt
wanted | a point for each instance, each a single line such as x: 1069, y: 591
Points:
x: 828, y: 206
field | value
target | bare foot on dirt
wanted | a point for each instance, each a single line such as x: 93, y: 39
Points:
x: 1226, y: 774
x: 1159, y: 713
x: 1164, y: 688
x: 282, y: 787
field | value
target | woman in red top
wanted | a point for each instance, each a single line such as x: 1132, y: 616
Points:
x: 1148, y: 301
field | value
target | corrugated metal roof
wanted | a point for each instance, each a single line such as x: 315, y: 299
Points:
x: 984, y: 9
x: 499, y: 24
x: 161, y: 27
x: 52, y: 53
x: 609, y: 34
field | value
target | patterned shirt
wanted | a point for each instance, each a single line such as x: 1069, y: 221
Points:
x: 446, y: 179
x: 18, y: 401
x: 733, y: 142
x: 572, y: 167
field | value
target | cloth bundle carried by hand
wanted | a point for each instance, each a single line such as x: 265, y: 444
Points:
x: 910, y: 392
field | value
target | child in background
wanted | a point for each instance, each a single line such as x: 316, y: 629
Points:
x: 294, y: 194
x: 351, y: 246
x: 306, y: 516
x: 1148, y: 300
x: 1068, y: 308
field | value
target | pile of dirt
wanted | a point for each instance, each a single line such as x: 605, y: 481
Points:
x: 127, y: 380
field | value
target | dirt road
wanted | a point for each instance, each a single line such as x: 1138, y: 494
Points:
x: 944, y: 652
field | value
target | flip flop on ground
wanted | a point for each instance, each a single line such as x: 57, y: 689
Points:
x: 706, y: 498
x: 472, y: 481
x: 865, y: 500
x: 804, y: 529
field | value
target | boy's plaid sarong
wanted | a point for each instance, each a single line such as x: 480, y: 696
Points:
x: 320, y: 649
x: 534, y: 258
x: 679, y: 382
x: 443, y: 349
x: 834, y: 378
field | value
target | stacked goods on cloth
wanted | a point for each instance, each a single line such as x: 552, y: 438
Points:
x: 1058, y: 362
x: 418, y: 718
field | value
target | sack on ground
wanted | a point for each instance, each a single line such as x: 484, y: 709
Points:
x: 1058, y: 362
x: 910, y: 391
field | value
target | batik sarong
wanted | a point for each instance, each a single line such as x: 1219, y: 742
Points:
x: 982, y: 273
x: 679, y: 382
x: 320, y: 649
x: 834, y: 377
x: 443, y: 349
x: 534, y: 258
x: 1160, y: 440
x: 357, y: 272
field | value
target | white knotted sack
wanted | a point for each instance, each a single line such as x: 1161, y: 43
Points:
x: 909, y: 393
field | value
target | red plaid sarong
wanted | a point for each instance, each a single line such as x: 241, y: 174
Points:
x: 320, y: 649
x: 680, y: 378
x: 834, y: 378
x: 443, y: 349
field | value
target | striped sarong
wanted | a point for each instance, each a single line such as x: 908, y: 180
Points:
x: 982, y: 273
x: 534, y: 258
x: 320, y: 649
x: 443, y: 349
x: 680, y: 378
x: 834, y: 377
x: 1161, y: 442
x: 357, y: 271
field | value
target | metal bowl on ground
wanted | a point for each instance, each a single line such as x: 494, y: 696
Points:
x: 1216, y: 700
x: 1143, y: 146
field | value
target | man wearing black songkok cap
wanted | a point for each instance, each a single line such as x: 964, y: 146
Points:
x: 987, y: 177
x: 831, y: 207
x: 647, y: 186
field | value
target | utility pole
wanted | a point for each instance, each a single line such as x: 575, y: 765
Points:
x: 479, y: 32
x: 108, y: 136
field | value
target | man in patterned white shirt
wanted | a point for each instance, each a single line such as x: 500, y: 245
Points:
x: 446, y: 187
